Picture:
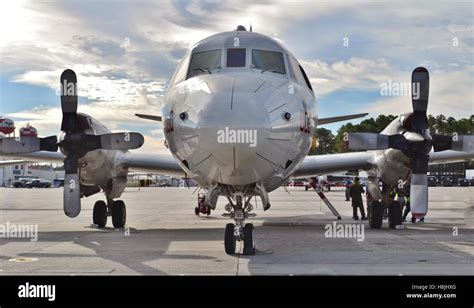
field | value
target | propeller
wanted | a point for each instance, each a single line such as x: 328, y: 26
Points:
x: 416, y: 143
x: 75, y: 144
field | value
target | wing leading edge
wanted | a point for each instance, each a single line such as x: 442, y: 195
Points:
x: 330, y: 163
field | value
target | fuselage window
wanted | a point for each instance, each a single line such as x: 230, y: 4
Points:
x: 236, y: 57
x: 271, y: 61
x: 204, y: 62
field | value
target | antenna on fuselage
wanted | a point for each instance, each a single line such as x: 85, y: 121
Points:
x: 240, y: 28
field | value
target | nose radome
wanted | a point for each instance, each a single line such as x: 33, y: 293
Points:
x: 233, y: 131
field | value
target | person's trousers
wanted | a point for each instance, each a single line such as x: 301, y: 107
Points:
x: 354, y: 210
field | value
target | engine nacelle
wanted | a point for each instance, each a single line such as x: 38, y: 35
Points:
x: 98, y: 167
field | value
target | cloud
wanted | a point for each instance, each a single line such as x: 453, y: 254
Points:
x: 357, y: 73
x: 451, y: 93
x: 124, y: 53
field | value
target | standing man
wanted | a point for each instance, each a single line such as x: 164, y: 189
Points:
x: 356, y: 192
x: 348, y: 187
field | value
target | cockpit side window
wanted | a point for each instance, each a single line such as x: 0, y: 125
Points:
x: 306, y: 79
x: 204, y: 62
x: 297, y: 73
x: 236, y: 57
x: 180, y: 74
x: 271, y: 61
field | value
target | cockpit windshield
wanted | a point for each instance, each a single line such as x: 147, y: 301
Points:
x: 204, y: 62
x: 271, y: 61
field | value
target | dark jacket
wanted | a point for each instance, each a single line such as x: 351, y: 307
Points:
x: 356, y: 192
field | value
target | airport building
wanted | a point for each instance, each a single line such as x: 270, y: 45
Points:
x: 48, y: 172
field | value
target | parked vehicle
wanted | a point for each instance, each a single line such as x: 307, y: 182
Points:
x: 20, y: 183
x: 39, y: 183
x: 58, y: 182
x: 432, y: 181
x: 463, y: 182
x: 448, y: 181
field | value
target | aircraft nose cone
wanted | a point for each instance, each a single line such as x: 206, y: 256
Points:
x: 233, y: 129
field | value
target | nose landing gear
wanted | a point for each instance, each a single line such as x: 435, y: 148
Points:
x: 240, y: 231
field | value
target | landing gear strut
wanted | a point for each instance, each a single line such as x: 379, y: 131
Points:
x: 240, y: 231
x: 116, y: 209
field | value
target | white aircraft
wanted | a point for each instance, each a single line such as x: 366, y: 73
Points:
x: 238, y: 118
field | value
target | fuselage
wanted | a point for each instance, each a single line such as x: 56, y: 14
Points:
x: 239, y: 111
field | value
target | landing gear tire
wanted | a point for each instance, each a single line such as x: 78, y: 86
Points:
x: 376, y: 215
x: 394, y: 214
x: 249, y: 243
x: 99, y: 214
x: 119, y: 214
x: 229, y: 239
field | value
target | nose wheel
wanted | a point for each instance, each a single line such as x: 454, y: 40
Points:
x: 249, y: 243
x: 240, y: 231
x: 229, y: 239
x: 246, y: 235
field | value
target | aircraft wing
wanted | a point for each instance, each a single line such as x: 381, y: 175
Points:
x: 159, y: 163
x: 325, y: 164
x: 311, y: 165
x: 13, y: 162
x: 40, y: 157
x: 323, y: 121
x: 446, y: 157
x: 329, y: 163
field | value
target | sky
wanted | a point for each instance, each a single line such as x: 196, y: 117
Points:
x: 124, y: 53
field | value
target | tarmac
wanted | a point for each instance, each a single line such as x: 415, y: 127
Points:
x: 163, y: 236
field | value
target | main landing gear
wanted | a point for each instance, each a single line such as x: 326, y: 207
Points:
x: 240, y: 231
x: 116, y: 209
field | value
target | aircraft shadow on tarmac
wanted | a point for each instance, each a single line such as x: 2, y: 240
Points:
x: 289, y: 244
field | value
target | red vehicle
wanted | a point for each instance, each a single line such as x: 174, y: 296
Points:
x: 202, y: 207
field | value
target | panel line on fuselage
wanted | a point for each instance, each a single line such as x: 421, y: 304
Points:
x: 264, y: 158
x: 277, y: 108
x: 187, y: 138
x: 232, y: 94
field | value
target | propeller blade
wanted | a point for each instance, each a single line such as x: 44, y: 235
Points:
x: 420, y: 82
x: 121, y: 141
x: 72, y: 195
x: 113, y: 141
x: 72, y: 188
x: 28, y: 145
x: 463, y: 143
x: 49, y: 144
x: 419, y: 186
x: 68, y: 100
x: 23, y: 145
x: 371, y: 141
x: 442, y: 143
